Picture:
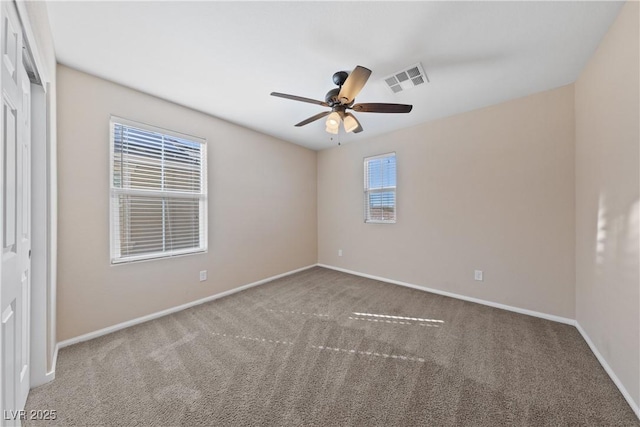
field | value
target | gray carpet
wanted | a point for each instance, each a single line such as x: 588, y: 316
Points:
x: 326, y: 348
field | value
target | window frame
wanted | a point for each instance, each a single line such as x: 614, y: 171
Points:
x: 116, y: 257
x: 368, y: 191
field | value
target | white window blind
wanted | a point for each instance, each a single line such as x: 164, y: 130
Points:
x: 158, y: 192
x: 380, y: 188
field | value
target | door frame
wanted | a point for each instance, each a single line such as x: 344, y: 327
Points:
x: 44, y: 207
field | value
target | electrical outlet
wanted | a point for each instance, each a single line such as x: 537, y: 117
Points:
x: 203, y: 275
x: 339, y: 252
x: 478, y: 275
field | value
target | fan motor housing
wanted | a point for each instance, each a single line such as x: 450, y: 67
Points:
x: 331, y: 97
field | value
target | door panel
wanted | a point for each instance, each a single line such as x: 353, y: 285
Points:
x: 11, y: 45
x: 10, y: 179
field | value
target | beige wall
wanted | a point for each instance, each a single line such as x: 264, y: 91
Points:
x: 262, y: 209
x: 492, y: 189
x: 607, y: 191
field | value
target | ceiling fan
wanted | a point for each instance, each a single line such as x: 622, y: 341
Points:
x: 342, y: 98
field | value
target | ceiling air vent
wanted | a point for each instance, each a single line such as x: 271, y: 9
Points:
x: 406, y: 79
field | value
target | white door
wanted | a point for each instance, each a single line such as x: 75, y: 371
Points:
x: 15, y: 214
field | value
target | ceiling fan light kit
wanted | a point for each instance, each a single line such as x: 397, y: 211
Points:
x: 332, y: 130
x: 333, y: 120
x: 350, y: 123
x: 342, y: 98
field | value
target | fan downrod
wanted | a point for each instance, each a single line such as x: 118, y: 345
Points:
x: 331, y: 97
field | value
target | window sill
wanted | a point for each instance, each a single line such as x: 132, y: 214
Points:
x: 156, y: 257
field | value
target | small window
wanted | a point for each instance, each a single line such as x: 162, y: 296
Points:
x: 158, y: 192
x: 380, y: 188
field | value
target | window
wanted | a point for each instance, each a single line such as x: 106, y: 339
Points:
x: 158, y: 192
x: 380, y: 188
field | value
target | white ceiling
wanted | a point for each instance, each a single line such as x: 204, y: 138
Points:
x: 225, y: 58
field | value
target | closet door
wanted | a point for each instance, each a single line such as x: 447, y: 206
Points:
x: 15, y: 218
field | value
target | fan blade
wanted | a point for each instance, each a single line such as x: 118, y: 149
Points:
x: 299, y: 98
x: 382, y: 108
x: 313, y: 118
x: 358, y: 129
x: 353, y: 85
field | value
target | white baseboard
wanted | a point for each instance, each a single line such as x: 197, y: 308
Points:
x: 552, y: 317
x: 51, y: 375
x: 607, y: 368
x: 137, y: 321
x: 36, y: 380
